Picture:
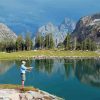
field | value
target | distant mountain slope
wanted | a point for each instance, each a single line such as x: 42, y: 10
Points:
x: 59, y: 32
x: 67, y: 25
x: 6, y: 33
x: 88, y: 27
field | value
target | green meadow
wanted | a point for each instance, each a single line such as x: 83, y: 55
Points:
x: 46, y: 53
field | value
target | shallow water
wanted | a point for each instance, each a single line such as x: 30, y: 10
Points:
x: 70, y: 79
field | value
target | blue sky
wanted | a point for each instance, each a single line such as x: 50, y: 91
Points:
x: 28, y: 15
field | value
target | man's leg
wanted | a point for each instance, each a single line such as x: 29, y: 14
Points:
x: 22, y: 84
x: 23, y: 80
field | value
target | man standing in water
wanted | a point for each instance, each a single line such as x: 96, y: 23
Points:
x: 23, y: 70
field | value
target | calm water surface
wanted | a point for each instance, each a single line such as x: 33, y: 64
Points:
x: 70, y: 79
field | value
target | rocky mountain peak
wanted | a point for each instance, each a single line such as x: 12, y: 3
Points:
x: 59, y: 32
x: 88, y: 27
x: 6, y: 33
x: 67, y: 25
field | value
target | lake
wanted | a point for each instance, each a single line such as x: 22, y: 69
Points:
x: 70, y: 79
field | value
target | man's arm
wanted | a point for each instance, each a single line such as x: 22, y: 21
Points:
x: 29, y: 68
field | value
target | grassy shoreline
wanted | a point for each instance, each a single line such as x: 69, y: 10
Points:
x: 17, y: 87
x: 48, y: 54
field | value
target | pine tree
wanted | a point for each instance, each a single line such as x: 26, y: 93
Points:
x: 19, y: 43
x: 46, y: 42
x: 49, y: 42
x: 28, y: 42
x: 94, y: 46
x: 85, y: 44
x: 67, y: 42
x: 88, y: 44
x: 39, y: 41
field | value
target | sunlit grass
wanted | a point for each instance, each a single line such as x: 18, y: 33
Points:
x: 53, y: 53
x: 17, y: 87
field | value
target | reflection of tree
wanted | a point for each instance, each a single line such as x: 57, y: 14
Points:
x: 19, y: 62
x: 88, y: 71
x: 44, y: 65
x: 5, y: 65
x: 69, y: 65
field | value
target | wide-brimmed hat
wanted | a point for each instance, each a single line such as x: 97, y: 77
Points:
x: 23, y: 62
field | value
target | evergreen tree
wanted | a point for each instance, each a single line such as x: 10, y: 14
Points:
x: 67, y: 42
x: 85, y: 44
x: 60, y: 46
x: 49, y: 42
x: 88, y: 44
x: 39, y: 41
x: 75, y: 43
x: 10, y: 47
x: 19, y: 43
x: 2, y: 46
x: 94, y: 46
x: 28, y: 42
x: 46, y: 42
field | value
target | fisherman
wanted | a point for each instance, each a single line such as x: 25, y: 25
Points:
x: 23, y: 70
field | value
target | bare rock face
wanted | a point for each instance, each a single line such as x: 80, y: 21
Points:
x: 6, y: 33
x: 67, y: 26
x: 59, y: 32
x: 88, y: 27
x: 48, y: 29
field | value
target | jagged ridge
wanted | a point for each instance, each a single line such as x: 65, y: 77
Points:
x: 59, y: 32
x: 6, y: 33
x: 88, y: 27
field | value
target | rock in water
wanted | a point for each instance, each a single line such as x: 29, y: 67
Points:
x: 6, y: 33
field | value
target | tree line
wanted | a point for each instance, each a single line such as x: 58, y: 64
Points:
x: 19, y: 44
x: 75, y: 44
x: 46, y: 42
x: 69, y: 43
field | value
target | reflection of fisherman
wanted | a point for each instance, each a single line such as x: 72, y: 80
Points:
x: 23, y: 70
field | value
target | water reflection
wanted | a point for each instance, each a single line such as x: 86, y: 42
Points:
x: 86, y: 71
x: 5, y: 66
x: 44, y: 65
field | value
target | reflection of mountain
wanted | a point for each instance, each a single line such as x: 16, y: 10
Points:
x: 51, y: 66
x: 89, y: 72
x: 54, y: 66
x: 86, y: 71
x: 5, y: 66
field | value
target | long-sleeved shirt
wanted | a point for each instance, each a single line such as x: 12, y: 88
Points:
x: 23, y: 69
